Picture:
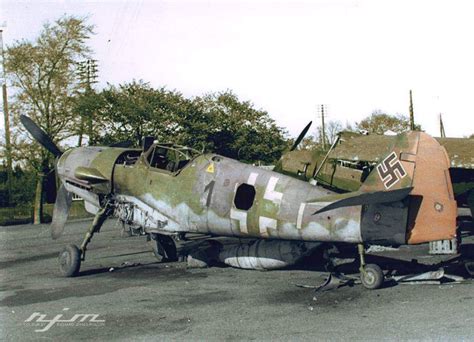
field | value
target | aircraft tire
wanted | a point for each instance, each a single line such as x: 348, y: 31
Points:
x: 372, y: 277
x: 69, y: 261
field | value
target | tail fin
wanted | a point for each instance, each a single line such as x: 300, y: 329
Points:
x: 417, y: 160
x: 418, y: 168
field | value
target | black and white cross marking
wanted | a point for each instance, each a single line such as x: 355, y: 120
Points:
x: 391, y: 171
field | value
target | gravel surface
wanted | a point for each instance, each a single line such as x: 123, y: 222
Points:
x: 140, y: 299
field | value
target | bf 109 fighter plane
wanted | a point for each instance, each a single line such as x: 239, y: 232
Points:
x: 163, y: 190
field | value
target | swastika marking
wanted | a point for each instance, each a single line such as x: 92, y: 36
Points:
x: 266, y: 223
x: 270, y: 193
x: 391, y: 171
x: 241, y: 217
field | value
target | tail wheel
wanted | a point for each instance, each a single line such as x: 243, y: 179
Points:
x: 372, y: 276
x: 69, y: 261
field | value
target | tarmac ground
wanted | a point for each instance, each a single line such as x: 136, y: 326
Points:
x: 123, y: 293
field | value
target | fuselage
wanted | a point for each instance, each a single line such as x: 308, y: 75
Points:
x: 208, y: 194
x: 171, y: 190
x: 217, y: 195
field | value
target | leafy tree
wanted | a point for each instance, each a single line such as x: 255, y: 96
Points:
x: 238, y: 130
x: 43, y: 75
x: 86, y: 105
x: 217, y: 122
x: 22, y: 183
x: 379, y: 123
x: 135, y: 110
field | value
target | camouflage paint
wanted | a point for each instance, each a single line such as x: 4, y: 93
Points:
x: 200, y: 197
x: 185, y: 203
x: 354, y: 147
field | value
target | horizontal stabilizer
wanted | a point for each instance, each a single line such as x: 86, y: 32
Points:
x: 361, y: 198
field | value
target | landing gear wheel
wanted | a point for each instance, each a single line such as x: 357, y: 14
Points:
x: 372, y: 276
x: 69, y: 261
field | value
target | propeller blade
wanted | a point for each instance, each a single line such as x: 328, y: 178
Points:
x: 301, y: 136
x: 40, y: 136
x: 60, y: 212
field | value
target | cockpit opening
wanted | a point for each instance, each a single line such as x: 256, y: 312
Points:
x: 170, y: 157
x: 128, y: 158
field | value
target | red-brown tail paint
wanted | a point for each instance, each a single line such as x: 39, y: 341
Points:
x: 417, y: 160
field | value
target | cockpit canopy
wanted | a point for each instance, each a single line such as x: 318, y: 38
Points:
x: 170, y: 157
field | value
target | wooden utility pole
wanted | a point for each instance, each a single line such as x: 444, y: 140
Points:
x: 88, y: 76
x: 6, y: 115
x: 412, y: 116
x: 323, y: 127
x: 441, y: 127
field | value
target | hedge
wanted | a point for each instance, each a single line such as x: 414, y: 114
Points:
x: 24, y: 214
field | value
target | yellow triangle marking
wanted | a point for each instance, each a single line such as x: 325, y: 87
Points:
x: 210, y: 168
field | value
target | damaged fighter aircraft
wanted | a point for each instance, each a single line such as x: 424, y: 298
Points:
x: 165, y: 191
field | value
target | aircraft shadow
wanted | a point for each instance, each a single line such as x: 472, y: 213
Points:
x: 347, y: 263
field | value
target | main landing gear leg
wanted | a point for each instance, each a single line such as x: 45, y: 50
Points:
x: 371, y: 275
x: 164, y: 248
x: 71, y: 256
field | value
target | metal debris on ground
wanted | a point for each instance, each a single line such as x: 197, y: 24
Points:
x: 378, y: 249
x: 430, y: 278
x: 331, y: 282
x: 129, y: 264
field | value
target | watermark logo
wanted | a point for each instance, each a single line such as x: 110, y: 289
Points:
x: 37, y: 319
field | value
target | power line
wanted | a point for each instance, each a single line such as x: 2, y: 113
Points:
x: 87, y: 73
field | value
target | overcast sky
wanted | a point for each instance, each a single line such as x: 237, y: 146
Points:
x: 285, y: 56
